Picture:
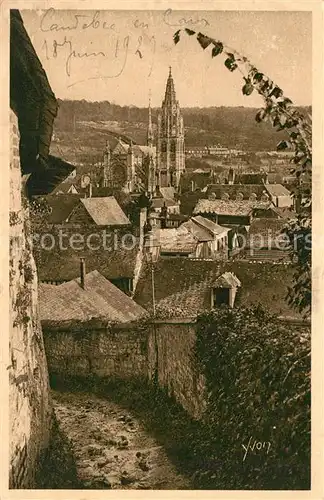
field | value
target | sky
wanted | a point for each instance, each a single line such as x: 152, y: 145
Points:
x: 124, y: 56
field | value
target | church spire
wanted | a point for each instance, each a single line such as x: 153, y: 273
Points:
x: 150, y: 137
x: 170, y: 96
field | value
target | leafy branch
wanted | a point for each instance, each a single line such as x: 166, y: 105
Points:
x: 281, y: 113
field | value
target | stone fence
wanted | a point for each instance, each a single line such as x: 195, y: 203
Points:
x: 160, y: 351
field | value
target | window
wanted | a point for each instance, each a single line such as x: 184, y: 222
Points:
x: 163, y: 147
x: 221, y: 296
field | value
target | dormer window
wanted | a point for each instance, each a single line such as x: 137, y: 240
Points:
x: 265, y: 197
x: 253, y: 197
x: 225, y: 196
x: 239, y: 196
x: 224, y: 290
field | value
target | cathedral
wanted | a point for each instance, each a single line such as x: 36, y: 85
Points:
x: 170, y: 160
x: 137, y: 168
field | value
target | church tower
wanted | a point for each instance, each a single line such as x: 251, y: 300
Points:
x: 170, y: 159
x: 107, y: 173
x: 150, y: 136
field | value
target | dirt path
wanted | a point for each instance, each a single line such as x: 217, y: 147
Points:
x: 112, y: 449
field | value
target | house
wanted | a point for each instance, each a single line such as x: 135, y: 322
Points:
x: 175, y: 220
x: 197, y: 238
x: 196, y: 151
x: 251, y: 178
x: 237, y: 191
x: 196, y: 180
x: 212, y: 238
x: 159, y: 221
x: 279, y: 195
x: 176, y: 242
x: 90, y: 296
x: 227, y: 212
x: 99, y: 212
x: 173, y: 207
x: 115, y: 255
x: 266, y: 241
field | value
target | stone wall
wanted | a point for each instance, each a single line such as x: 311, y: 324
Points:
x: 161, y: 351
x: 171, y: 350
x: 95, y: 348
x: 30, y: 408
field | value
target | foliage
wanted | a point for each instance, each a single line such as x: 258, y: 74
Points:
x: 278, y: 110
x: 233, y: 127
x: 257, y: 374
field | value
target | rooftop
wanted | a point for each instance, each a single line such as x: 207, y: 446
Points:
x: 62, y: 262
x: 277, y: 190
x: 234, y: 189
x: 99, y: 299
x: 224, y: 207
x: 263, y: 283
x: 176, y: 240
x: 60, y: 207
x: 105, y: 211
x: 203, y: 229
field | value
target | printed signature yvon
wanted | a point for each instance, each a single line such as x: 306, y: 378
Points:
x: 257, y: 446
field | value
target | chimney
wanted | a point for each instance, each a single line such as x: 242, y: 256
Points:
x: 82, y: 272
x: 90, y: 189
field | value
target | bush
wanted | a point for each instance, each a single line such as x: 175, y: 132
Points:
x: 258, y: 380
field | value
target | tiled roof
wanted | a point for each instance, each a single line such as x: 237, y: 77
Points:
x: 62, y: 263
x: 203, y: 229
x: 176, y: 240
x: 210, y: 225
x: 105, y: 211
x: 234, y: 189
x: 61, y: 206
x: 99, y: 299
x: 227, y: 280
x: 264, y: 283
x: 277, y: 190
x: 224, y: 207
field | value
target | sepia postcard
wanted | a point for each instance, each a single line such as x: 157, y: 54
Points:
x: 161, y: 206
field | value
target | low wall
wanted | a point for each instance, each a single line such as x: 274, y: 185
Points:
x: 171, y: 348
x: 160, y: 351
x: 95, y: 348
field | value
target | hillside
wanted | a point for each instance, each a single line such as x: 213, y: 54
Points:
x: 82, y: 128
